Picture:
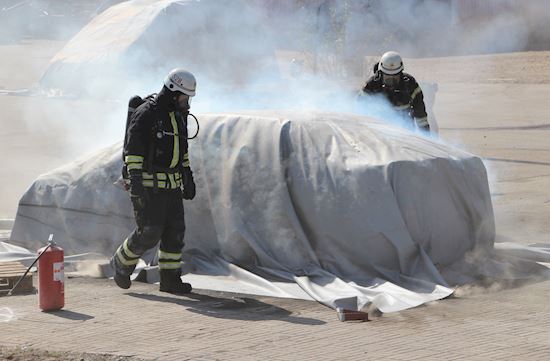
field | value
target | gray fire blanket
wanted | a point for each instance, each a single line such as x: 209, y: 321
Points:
x: 354, y: 211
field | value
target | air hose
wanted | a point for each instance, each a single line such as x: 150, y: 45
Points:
x: 196, y: 121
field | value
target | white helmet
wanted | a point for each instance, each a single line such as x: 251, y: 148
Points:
x: 181, y: 80
x: 391, y: 63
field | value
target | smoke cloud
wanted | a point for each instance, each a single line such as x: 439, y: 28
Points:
x: 245, y: 54
x: 273, y: 54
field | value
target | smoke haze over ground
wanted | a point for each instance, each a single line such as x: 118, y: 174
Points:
x: 237, y: 58
x: 250, y: 66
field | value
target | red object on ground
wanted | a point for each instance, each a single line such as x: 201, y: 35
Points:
x: 349, y: 315
x: 51, y: 279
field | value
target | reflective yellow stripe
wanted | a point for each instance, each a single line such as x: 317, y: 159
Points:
x: 165, y: 180
x: 127, y: 250
x: 150, y: 183
x: 160, y: 176
x: 133, y: 162
x: 168, y: 255
x: 162, y: 184
x: 415, y: 92
x: 421, y: 122
x: 169, y: 265
x: 176, y: 154
x: 402, y: 107
x: 133, y: 159
x: 123, y: 260
x: 172, y: 180
x: 186, y: 160
x: 132, y: 166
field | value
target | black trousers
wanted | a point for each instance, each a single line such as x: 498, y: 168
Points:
x: 161, y: 218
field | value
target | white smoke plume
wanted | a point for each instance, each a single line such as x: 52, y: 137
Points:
x: 238, y: 60
x: 242, y: 55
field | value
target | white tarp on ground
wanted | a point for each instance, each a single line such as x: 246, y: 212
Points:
x: 352, y: 210
x: 10, y: 252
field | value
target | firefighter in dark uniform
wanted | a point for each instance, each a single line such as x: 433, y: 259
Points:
x: 157, y: 163
x: 401, y: 89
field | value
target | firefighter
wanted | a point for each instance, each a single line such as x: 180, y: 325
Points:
x: 157, y: 163
x: 401, y: 89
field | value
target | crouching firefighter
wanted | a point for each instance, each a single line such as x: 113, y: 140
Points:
x: 157, y: 166
x: 399, y: 88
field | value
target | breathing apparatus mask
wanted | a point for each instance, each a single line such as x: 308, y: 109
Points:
x: 391, y: 81
x: 182, y: 102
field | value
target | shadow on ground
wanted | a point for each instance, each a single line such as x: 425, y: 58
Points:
x: 236, y: 308
x: 71, y: 315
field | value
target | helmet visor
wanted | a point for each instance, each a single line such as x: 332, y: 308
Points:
x: 391, y: 81
x: 183, y: 102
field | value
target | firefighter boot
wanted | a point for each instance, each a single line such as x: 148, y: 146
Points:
x: 122, y: 279
x: 170, y: 282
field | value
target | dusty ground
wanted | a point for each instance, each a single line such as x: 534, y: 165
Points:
x: 26, y: 354
x: 478, y: 323
x: 500, y: 112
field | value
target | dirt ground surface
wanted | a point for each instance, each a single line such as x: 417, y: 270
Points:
x: 495, y: 106
x: 25, y: 354
x: 103, y: 322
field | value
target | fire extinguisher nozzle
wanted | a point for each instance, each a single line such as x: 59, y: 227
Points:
x: 50, y: 240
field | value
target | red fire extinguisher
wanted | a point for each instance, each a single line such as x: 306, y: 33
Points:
x: 51, y: 277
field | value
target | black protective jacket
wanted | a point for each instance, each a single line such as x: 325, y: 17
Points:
x: 157, y: 141
x: 406, y: 97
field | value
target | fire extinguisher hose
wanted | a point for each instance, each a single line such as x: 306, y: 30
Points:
x: 50, y: 243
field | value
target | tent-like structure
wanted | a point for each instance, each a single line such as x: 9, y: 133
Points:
x: 352, y: 210
x: 137, y: 42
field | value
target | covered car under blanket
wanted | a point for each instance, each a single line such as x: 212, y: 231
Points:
x: 353, y: 210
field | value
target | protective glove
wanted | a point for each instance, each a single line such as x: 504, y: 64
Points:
x: 138, y: 193
x: 422, y: 123
x: 188, y: 184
